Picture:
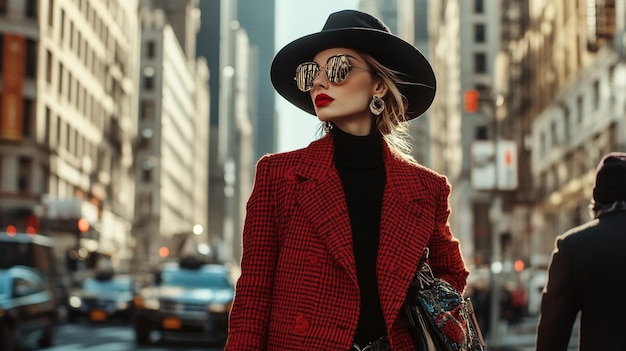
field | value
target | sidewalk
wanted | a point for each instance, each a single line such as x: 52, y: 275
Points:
x: 521, y: 337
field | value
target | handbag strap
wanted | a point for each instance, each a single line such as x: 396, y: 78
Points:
x: 424, y: 276
x: 424, y: 257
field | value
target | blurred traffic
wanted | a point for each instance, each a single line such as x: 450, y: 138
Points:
x: 185, y: 299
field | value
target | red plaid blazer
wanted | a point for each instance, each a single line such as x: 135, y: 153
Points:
x: 298, y: 289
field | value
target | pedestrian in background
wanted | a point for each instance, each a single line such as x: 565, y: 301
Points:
x: 587, y: 271
x: 334, y: 232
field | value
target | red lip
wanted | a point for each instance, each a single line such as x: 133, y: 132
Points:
x: 323, y: 100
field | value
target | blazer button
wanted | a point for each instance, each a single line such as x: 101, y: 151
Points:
x: 301, y: 325
x: 313, y: 260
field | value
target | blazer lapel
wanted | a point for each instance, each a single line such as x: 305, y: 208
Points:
x: 322, y: 198
x: 402, y: 237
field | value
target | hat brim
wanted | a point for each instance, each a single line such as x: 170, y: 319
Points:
x: 391, y: 51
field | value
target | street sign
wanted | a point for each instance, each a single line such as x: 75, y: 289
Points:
x: 494, y: 168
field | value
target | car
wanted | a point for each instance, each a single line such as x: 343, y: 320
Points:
x: 103, y: 297
x: 190, y: 301
x: 36, y: 251
x: 28, y: 309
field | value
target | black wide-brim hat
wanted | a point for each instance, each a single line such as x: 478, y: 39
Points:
x: 364, y: 33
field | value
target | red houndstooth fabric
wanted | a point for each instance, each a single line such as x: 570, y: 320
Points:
x: 298, y: 289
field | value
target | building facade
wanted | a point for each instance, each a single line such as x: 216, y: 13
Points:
x: 68, y: 116
x: 171, y: 151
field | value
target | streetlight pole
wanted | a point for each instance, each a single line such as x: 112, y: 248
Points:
x: 495, y: 212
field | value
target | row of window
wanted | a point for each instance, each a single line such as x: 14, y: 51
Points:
x: 30, y: 8
x: 73, y: 91
x: 93, y: 19
x: 561, y: 130
x: 576, y: 163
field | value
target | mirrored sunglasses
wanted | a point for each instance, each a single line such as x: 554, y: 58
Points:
x: 337, y: 68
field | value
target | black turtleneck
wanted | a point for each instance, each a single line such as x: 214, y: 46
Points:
x: 359, y: 161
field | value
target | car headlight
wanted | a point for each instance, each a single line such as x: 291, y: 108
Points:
x: 146, y: 302
x: 75, y: 301
x: 219, y: 307
x: 121, y: 305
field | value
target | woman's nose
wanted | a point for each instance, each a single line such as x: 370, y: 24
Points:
x: 321, y: 79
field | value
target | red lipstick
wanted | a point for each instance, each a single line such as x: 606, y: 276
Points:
x: 322, y: 100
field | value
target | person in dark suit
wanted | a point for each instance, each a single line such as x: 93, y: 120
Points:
x: 588, y: 269
x: 334, y: 232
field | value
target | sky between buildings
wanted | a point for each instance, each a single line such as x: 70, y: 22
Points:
x: 297, y: 18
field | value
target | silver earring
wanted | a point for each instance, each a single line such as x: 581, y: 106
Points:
x: 327, y: 126
x: 377, y: 105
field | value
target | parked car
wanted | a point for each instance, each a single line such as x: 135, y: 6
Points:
x: 189, y: 301
x: 101, y: 298
x: 28, y: 309
x: 36, y: 251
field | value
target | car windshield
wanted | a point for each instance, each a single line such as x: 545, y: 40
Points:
x: 4, y: 286
x: 112, y: 285
x: 195, y: 279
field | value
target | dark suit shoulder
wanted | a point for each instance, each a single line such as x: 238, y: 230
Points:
x: 598, y: 237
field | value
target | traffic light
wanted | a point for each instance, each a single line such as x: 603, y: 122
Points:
x: 471, y: 100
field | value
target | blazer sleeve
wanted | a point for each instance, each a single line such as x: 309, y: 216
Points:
x: 249, y: 316
x: 446, y: 259
x: 559, y: 305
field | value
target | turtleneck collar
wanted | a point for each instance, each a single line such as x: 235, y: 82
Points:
x: 358, y: 151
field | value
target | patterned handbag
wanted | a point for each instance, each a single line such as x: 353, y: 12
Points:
x: 439, y: 316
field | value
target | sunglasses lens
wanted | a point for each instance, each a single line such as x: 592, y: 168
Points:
x: 337, y: 68
x: 306, y: 74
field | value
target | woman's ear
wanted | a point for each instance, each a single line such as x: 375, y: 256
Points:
x: 380, y: 88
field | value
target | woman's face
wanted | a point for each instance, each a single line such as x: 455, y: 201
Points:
x: 346, y: 103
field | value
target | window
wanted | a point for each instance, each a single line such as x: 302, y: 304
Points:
x: 596, y: 95
x: 46, y: 127
x: 29, y: 117
x: 147, y: 110
x: 150, y: 49
x: 31, y: 10
x: 579, y: 109
x: 480, y: 63
x: 479, y: 33
x: 48, y: 67
x: 31, y: 58
x: 62, y: 25
x: 25, y: 170
x: 479, y: 6
x: 481, y: 133
x: 145, y: 204
x: 146, y: 171
x: 61, y: 79
x: 50, y: 13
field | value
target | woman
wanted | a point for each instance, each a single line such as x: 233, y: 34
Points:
x: 334, y: 232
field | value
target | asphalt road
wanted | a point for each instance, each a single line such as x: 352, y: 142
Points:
x: 88, y: 336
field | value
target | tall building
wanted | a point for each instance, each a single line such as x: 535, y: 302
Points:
x: 69, y: 119
x: 234, y: 64
x: 465, y: 43
x: 258, y: 18
x: 566, y: 99
x: 172, y: 145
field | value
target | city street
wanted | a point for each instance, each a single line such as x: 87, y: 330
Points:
x: 107, y: 337
x: 119, y: 337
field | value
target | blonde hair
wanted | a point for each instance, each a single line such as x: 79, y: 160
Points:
x: 392, y: 122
